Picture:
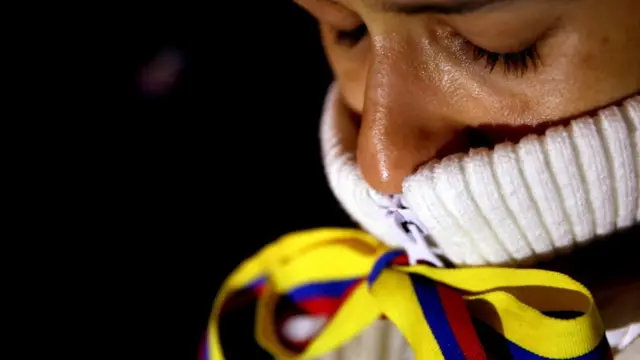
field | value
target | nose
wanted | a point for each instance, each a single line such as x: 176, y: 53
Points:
x: 404, y: 121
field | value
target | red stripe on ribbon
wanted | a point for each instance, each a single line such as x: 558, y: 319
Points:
x: 325, y: 305
x: 320, y: 305
x: 460, y: 322
x: 401, y: 260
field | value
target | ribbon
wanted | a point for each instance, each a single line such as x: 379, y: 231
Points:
x: 352, y: 280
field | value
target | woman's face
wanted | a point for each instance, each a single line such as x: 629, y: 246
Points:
x: 427, y: 78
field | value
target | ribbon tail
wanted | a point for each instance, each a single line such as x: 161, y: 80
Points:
x: 394, y: 295
x: 247, y: 273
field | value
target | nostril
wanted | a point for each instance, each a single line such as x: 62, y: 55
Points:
x: 470, y: 138
x: 477, y: 139
x: 387, y: 156
x: 460, y: 143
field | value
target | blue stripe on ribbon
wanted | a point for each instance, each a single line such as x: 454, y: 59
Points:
x: 382, y: 263
x: 599, y: 353
x: 333, y: 289
x: 256, y: 283
x: 434, y: 313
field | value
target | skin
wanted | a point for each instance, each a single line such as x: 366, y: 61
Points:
x: 415, y: 88
x: 416, y: 91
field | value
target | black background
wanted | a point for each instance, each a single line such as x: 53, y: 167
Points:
x: 226, y: 162
x: 145, y: 205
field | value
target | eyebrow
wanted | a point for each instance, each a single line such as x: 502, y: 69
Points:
x: 448, y: 7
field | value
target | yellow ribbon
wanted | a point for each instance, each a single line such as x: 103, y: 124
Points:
x: 510, y: 301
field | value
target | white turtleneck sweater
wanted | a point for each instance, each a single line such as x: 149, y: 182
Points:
x: 513, y: 205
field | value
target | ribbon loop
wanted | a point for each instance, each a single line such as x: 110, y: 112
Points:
x: 351, y: 280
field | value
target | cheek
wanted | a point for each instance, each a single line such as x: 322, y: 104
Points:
x: 350, y: 68
x: 352, y: 87
x: 589, y: 67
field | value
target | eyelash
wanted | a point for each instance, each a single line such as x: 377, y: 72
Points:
x: 513, y: 63
x: 517, y: 63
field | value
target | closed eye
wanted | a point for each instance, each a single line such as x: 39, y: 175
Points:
x: 351, y: 38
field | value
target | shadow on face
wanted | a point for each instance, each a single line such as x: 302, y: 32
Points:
x: 420, y: 73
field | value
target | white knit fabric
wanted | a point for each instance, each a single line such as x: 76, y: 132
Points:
x: 515, y: 204
x: 381, y: 341
x: 624, y: 336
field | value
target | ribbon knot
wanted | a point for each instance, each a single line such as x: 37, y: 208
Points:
x: 349, y: 280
